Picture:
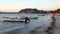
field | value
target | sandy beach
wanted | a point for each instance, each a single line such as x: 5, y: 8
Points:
x: 57, y: 24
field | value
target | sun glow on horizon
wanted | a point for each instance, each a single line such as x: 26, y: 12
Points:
x: 16, y: 5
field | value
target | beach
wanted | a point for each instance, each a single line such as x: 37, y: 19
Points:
x: 56, y: 29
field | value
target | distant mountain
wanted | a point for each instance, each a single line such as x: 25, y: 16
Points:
x: 29, y: 10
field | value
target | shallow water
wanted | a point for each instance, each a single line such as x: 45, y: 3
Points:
x: 22, y: 28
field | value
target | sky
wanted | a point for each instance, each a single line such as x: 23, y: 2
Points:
x: 16, y: 5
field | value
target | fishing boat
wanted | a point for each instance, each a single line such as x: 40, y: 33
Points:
x: 14, y: 20
x: 9, y: 20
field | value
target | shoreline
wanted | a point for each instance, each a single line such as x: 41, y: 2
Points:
x: 51, y: 27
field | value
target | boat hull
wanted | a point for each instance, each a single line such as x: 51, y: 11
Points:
x: 13, y: 21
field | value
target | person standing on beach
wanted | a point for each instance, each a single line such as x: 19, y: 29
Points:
x: 26, y: 20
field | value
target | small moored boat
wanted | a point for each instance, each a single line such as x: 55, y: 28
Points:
x: 14, y: 20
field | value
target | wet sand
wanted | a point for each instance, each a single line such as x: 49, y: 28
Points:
x: 57, y: 25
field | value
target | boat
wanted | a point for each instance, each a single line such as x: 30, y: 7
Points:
x: 9, y: 20
x: 14, y: 20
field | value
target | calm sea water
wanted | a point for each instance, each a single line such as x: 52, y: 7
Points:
x: 22, y: 28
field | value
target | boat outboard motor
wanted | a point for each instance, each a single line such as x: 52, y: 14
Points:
x: 27, y: 20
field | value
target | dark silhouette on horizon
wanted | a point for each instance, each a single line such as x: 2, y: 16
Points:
x: 32, y: 11
x: 36, y: 11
